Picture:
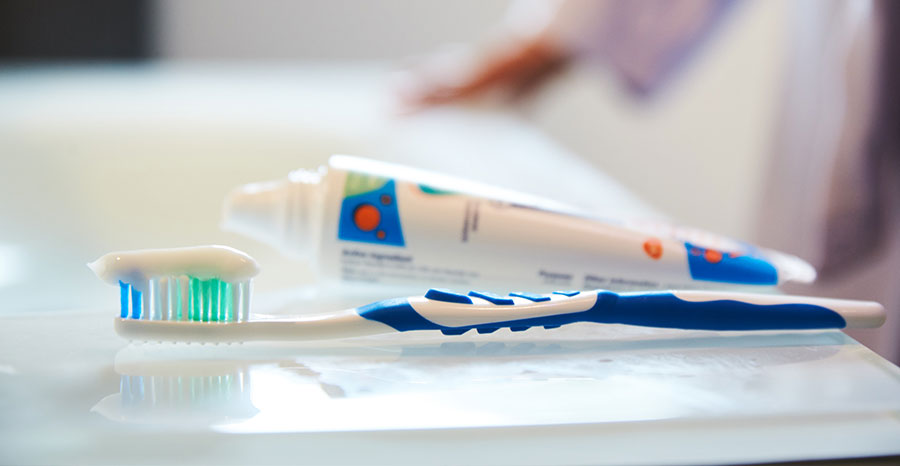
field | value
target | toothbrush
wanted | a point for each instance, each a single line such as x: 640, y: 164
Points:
x: 202, y: 294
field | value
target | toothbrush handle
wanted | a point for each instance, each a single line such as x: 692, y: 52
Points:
x: 707, y: 310
x: 455, y: 313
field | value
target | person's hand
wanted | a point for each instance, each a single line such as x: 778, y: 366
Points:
x: 513, y: 69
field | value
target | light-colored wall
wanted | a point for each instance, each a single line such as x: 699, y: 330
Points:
x: 317, y: 29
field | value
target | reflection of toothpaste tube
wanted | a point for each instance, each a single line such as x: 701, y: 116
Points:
x: 361, y: 220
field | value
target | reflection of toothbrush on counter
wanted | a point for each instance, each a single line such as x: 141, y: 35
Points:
x: 182, y: 392
x: 205, y: 308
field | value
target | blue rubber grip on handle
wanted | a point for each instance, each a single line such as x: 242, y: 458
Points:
x: 664, y: 309
x: 650, y: 309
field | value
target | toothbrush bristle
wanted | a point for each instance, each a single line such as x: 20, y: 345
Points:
x: 136, y: 304
x: 124, y: 292
x: 186, y: 298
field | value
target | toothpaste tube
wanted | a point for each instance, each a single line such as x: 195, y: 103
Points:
x: 363, y: 221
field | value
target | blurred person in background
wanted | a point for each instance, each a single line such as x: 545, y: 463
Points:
x: 832, y: 181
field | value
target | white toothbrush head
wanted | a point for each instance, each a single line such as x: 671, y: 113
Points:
x: 198, y: 284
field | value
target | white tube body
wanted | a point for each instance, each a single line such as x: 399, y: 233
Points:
x: 364, y: 221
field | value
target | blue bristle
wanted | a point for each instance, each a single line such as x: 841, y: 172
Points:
x: 125, y: 290
x: 136, y: 304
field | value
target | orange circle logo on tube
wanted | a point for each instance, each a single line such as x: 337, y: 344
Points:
x: 653, y: 248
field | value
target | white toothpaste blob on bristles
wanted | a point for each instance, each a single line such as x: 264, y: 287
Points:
x: 202, y: 262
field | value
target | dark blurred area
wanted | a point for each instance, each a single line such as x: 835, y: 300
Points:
x: 59, y: 30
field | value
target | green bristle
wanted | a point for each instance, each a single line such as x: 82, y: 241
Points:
x: 206, y: 306
x: 222, y: 311
x: 210, y: 300
x: 195, y: 300
x: 213, y: 287
x: 177, y: 285
x: 220, y: 292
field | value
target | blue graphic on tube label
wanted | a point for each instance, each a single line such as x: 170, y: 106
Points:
x: 712, y: 265
x: 369, y: 212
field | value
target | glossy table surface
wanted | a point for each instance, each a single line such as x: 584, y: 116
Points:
x: 116, y: 158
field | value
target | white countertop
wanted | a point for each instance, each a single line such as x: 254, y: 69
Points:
x: 116, y: 158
